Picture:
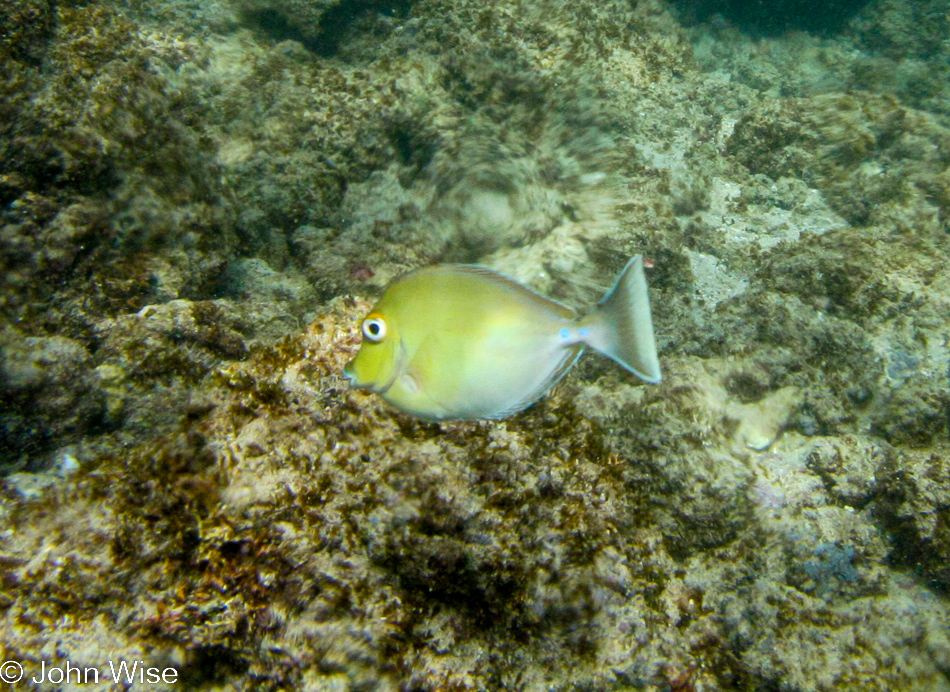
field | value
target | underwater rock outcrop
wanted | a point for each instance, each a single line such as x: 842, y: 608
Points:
x: 192, y: 224
x: 51, y: 395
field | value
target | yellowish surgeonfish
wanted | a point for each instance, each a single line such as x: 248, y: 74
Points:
x: 461, y: 342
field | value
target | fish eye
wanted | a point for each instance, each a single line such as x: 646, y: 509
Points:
x: 374, y: 328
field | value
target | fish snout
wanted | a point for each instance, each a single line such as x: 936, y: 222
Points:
x: 350, y: 374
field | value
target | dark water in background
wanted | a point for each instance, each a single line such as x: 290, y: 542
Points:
x: 774, y: 18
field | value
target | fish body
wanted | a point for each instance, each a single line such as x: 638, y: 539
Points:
x: 462, y: 342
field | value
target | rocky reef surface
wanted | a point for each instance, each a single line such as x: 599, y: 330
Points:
x: 198, y: 202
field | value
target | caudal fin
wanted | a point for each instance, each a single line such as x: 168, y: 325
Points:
x: 621, y: 326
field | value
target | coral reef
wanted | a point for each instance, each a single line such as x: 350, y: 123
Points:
x: 200, y: 201
x: 51, y: 392
x: 913, y: 507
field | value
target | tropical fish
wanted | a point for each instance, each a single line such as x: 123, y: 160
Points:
x: 463, y: 342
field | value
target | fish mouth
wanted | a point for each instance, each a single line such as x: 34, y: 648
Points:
x: 350, y: 374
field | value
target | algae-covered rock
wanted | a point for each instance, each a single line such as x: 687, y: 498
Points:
x: 668, y: 456
x: 915, y: 413
x: 914, y: 507
x: 850, y: 468
x: 51, y: 396
x: 904, y: 30
x: 149, y: 361
x: 198, y: 210
x: 460, y: 523
x: 28, y: 24
x: 870, y: 152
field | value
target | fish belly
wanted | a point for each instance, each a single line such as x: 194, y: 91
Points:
x: 491, y: 377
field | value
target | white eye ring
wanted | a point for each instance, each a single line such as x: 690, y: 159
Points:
x: 374, y: 328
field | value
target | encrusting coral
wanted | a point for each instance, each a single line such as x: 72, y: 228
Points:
x: 187, y: 220
x: 294, y: 531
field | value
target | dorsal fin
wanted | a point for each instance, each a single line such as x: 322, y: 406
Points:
x: 511, y: 284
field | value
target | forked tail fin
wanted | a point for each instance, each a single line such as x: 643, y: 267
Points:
x: 621, y: 326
